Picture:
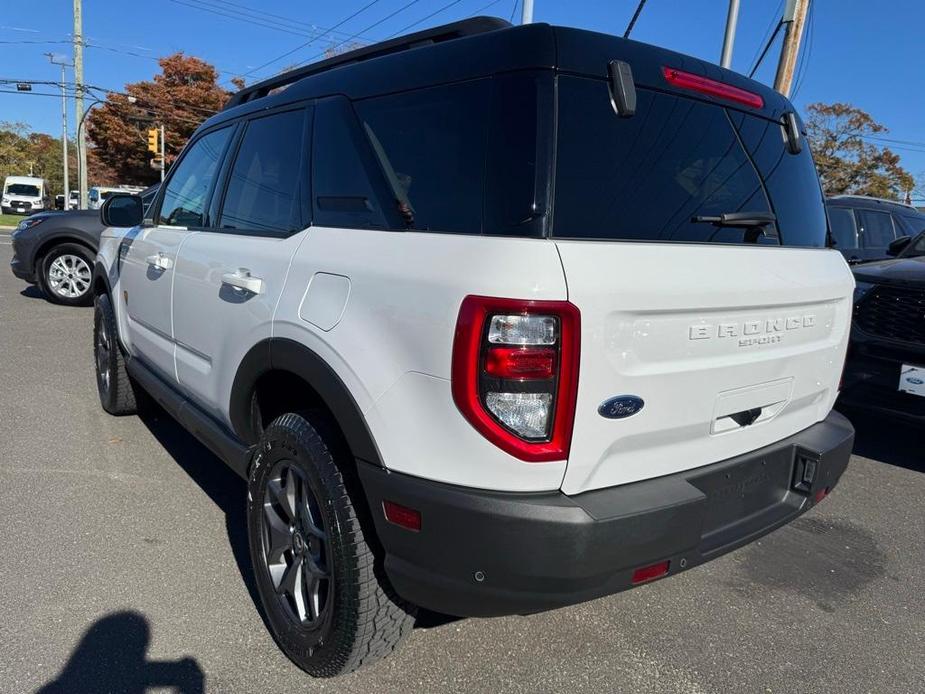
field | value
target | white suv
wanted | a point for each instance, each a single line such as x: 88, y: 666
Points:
x: 493, y: 320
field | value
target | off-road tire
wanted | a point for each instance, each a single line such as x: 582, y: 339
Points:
x: 116, y: 391
x: 364, y: 620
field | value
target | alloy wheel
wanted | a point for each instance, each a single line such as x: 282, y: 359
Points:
x: 69, y: 276
x: 295, y: 545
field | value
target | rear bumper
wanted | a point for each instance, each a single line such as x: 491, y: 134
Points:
x: 482, y: 553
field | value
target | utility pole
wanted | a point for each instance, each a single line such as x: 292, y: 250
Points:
x: 55, y: 60
x: 732, y: 20
x: 526, y: 12
x: 795, y: 19
x: 79, y: 105
x: 163, y: 161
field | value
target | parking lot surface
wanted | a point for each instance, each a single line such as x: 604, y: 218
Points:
x: 125, y: 567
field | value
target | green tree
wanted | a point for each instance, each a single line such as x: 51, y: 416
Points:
x: 849, y: 160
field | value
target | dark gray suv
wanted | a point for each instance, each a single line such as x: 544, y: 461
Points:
x: 863, y: 228
x: 56, y: 251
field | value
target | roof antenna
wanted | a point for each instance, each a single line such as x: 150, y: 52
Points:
x: 632, y: 23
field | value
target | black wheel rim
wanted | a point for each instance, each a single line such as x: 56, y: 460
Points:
x: 103, y: 347
x: 295, y: 545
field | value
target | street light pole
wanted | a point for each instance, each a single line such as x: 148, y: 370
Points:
x: 732, y: 20
x: 67, y: 190
x: 163, y: 162
x: 526, y: 13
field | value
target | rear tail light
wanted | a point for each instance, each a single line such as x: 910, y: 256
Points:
x: 515, y: 373
x: 704, y: 85
x: 650, y: 573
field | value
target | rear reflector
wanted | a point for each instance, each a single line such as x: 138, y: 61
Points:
x: 402, y: 516
x: 821, y: 494
x: 521, y: 362
x: 650, y: 573
x: 704, y: 85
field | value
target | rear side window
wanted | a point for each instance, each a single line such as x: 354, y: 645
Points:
x: 911, y: 225
x: 187, y: 191
x: 430, y: 145
x: 646, y: 177
x: 841, y: 220
x: 263, y: 188
x: 876, y: 229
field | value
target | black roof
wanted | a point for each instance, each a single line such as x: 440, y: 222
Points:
x: 481, y: 47
x: 865, y: 202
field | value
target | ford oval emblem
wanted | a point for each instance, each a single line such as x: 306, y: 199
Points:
x: 914, y: 380
x: 621, y: 406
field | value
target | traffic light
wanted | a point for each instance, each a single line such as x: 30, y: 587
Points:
x: 152, y: 140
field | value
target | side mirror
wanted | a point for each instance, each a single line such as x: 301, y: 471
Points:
x: 898, y: 246
x: 122, y: 210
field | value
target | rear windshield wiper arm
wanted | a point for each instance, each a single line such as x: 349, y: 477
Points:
x: 737, y: 219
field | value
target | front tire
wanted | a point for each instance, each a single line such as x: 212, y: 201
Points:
x: 116, y: 390
x: 326, y: 604
x: 66, y: 276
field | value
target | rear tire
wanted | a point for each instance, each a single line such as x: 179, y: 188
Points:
x: 115, y: 387
x: 66, y: 276
x: 328, y: 606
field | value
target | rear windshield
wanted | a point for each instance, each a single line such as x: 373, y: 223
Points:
x: 23, y: 189
x: 651, y: 176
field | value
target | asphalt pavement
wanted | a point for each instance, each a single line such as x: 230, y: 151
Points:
x: 124, y: 567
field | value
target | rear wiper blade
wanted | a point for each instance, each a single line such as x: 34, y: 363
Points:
x: 737, y: 219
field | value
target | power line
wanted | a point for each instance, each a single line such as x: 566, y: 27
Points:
x: 775, y: 17
x: 424, y: 19
x: 310, y: 41
x: 246, y: 11
x: 514, y: 11
x: 767, y: 47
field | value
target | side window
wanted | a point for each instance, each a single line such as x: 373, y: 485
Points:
x: 342, y: 194
x: 841, y: 221
x: 263, y: 188
x: 430, y: 144
x: 876, y: 229
x: 185, y: 197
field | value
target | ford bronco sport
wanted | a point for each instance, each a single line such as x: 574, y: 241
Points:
x: 492, y: 319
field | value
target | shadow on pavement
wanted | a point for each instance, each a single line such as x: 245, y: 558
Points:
x: 111, y: 657
x: 886, y: 439
x: 224, y: 487
x: 32, y: 292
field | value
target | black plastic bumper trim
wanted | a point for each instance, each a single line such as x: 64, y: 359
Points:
x: 483, y: 553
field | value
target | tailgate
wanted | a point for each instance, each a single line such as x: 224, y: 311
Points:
x: 730, y: 347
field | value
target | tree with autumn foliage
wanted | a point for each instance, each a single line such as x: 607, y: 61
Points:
x: 844, y: 143
x: 181, y: 97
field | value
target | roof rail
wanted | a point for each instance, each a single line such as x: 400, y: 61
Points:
x: 871, y: 197
x: 447, y: 32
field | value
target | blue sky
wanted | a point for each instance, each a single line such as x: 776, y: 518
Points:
x: 868, y: 54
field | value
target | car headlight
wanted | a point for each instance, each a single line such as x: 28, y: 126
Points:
x: 6, y: 200
x: 29, y: 222
x: 861, y: 289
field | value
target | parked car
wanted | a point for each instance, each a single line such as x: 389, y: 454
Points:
x: 863, y: 228
x: 885, y: 370
x: 56, y: 251
x: 24, y: 195
x: 492, y: 319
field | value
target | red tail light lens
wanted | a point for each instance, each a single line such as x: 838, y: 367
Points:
x: 521, y: 362
x: 515, y: 373
x: 403, y: 516
x: 704, y: 85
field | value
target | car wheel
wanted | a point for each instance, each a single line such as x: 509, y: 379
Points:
x: 66, y: 275
x: 115, y: 387
x: 327, y: 603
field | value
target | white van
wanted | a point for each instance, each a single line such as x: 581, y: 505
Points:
x: 98, y: 194
x: 25, y: 195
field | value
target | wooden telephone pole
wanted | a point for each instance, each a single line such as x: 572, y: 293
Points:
x: 795, y: 19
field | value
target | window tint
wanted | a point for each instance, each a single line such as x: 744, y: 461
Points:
x: 185, y: 196
x: 790, y: 179
x: 841, y: 221
x: 342, y: 193
x: 910, y: 225
x: 644, y: 178
x: 263, y: 189
x: 430, y: 144
x: 876, y: 229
